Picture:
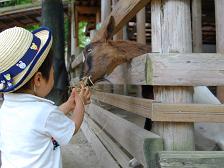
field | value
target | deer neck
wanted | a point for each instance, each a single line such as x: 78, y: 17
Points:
x: 127, y: 50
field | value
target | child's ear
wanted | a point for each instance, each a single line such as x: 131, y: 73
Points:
x: 37, y: 79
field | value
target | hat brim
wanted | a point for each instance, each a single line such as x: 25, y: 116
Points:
x: 44, y: 34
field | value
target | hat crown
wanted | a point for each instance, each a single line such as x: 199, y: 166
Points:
x: 14, y: 43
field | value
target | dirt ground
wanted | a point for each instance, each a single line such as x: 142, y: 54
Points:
x: 79, y: 154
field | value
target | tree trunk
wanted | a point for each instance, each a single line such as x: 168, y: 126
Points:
x: 53, y: 17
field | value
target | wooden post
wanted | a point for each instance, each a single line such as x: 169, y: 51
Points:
x: 197, y: 26
x: 172, y: 34
x: 73, y: 29
x: 141, y: 37
x: 68, y: 52
x: 119, y: 72
x: 119, y: 35
x: 219, y: 4
x: 105, y: 9
x: 105, y: 12
x: 125, y: 32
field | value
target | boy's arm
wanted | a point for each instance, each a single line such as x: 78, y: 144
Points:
x: 76, y: 103
x: 65, y: 108
x: 78, y: 113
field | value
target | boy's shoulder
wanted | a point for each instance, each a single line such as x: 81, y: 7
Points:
x: 29, y: 102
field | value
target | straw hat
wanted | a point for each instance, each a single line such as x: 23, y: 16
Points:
x: 21, y: 55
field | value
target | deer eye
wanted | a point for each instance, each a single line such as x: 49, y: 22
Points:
x: 89, y: 50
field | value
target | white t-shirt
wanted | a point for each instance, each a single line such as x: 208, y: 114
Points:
x: 27, y: 126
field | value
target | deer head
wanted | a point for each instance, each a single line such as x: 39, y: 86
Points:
x: 102, y: 55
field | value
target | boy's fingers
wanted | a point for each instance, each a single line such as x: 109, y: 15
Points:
x: 73, y: 92
x: 88, y: 95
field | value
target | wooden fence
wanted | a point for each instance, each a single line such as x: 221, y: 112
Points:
x: 116, y: 140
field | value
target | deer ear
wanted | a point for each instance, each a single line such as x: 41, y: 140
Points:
x: 108, y: 34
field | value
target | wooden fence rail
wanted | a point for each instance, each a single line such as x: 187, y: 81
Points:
x: 132, y: 138
x: 163, y: 112
x: 190, y: 159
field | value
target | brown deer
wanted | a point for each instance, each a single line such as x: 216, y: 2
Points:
x: 102, y: 55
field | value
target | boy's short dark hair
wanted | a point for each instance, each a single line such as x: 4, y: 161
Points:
x: 45, y: 69
x: 46, y: 65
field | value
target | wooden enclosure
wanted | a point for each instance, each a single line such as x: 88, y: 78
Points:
x: 175, y: 65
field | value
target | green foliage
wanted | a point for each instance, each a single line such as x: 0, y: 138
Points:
x: 32, y: 27
x: 83, y: 39
x: 15, y: 2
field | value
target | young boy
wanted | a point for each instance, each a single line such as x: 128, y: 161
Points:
x: 33, y: 128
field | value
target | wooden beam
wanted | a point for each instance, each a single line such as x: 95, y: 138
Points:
x: 23, y: 8
x: 110, y: 145
x: 86, y: 9
x: 185, y: 69
x: 175, y: 69
x: 128, y: 135
x: 87, y: 19
x: 186, y: 159
x: 187, y: 113
x: 122, y: 13
x: 102, y: 154
x: 163, y: 112
x: 139, y: 106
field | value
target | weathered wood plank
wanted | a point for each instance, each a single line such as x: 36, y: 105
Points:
x: 23, y: 8
x: 197, y: 25
x: 121, y: 13
x: 175, y: 69
x: 187, y: 112
x: 117, y: 153
x: 139, y: 106
x: 219, y: 20
x: 104, y: 157
x: 163, y: 112
x: 129, y: 135
x: 186, y: 69
x: 191, y: 159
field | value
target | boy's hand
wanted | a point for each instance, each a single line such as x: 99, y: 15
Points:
x: 69, y: 105
x: 85, y: 94
x: 82, y: 97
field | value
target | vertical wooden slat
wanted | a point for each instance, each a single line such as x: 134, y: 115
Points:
x: 141, y: 36
x: 197, y: 26
x: 105, y: 9
x: 219, y: 5
x: 171, y: 32
x: 119, y: 72
x: 73, y: 29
